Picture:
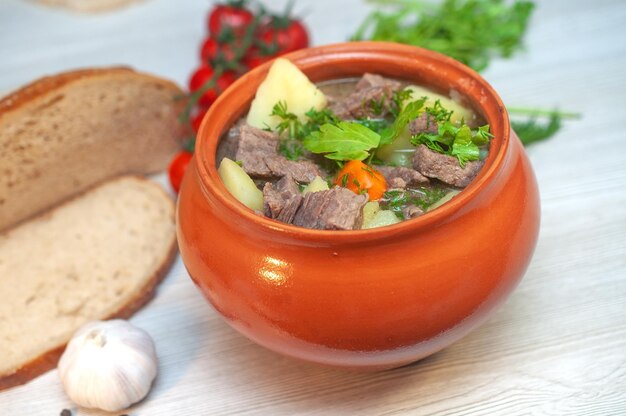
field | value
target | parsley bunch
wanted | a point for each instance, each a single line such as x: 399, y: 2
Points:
x: 530, y: 129
x: 471, y: 31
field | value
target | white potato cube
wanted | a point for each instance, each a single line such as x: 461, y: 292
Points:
x: 459, y: 112
x: 382, y: 218
x: 240, y: 185
x: 369, y: 211
x: 316, y: 185
x: 286, y: 83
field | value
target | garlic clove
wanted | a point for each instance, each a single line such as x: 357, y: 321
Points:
x: 108, y: 365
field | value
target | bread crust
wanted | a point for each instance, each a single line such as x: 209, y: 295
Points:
x: 46, y: 85
x: 41, y: 95
x: 49, y: 359
x: 89, y: 6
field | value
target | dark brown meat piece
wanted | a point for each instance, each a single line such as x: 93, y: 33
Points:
x: 401, y: 177
x: 373, y: 80
x: 229, y: 143
x: 282, y: 199
x: 371, y: 89
x: 257, y: 150
x: 335, y: 209
x: 444, y: 167
x: 303, y: 171
x: 423, y: 124
x: 253, y: 147
x: 412, y: 211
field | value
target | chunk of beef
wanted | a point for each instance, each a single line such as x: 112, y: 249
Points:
x: 253, y: 148
x: 229, y: 143
x: 372, y: 97
x: 425, y: 123
x: 282, y: 199
x: 303, y: 171
x: 401, y: 177
x: 257, y: 150
x: 335, y: 209
x: 373, y: 80
x: 411, y: 211
x: 444, y: 167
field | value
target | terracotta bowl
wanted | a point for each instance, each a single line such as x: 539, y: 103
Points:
x: 369, y: 299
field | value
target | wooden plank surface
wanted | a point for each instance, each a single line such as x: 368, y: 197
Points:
x: 558, y: 345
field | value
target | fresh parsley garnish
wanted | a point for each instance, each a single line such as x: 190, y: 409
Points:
x: 375, y: 124
x: 410, y: 112
x: 398, y: 199
x: 343, y: 141
x: 438, y: 112
x: 398, y: 98
x: 461, y: 142
x: 289, y: 122
x: 293, y: 131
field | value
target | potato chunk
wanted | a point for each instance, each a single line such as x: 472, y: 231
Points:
x: 459, y: 112
x: 399, y: 152
x: 286, y: 83
x: 369, y: 211
x: 381, y: 218
x: 240, y: 185
x: 316, y: 185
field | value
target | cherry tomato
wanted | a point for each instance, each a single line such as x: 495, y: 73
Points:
x: 234, y: 17
x: 212, y: 51
x: 287, y: 34
x: 196, y: 119
x: 204, y: 75
x: 361, y: 178
x: 254, y: 58
x: 177, y: 168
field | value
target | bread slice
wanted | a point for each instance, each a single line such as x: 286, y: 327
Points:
x: 62, y: 134
x: 89, y: 6
x: 97, y: 256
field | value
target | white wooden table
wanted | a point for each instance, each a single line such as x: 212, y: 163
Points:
x: 558, y: 345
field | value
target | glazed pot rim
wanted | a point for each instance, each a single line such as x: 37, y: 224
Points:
x: 210, y: 133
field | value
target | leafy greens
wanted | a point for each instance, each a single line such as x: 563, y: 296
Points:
x: 343, y: 141
x: 460, y: 142
x: 410, y: 112
x: 472, y: 31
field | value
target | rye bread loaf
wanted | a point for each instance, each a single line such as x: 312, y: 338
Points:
x: 97, y: 256
x: 62, y: 134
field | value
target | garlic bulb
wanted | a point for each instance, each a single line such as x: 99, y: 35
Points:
x: 108, y: 365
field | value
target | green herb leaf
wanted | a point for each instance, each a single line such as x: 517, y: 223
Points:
x: 460, y: 142
x: 375, y: 124
x: 398, y: 98
x: 438, y: 112
x: 463, y: 148
x: 472, y: 31
x: 482, y: 135
x: 398, y: 199
x: 344, y: 141
x: 410, y: 112
x: 531, y: 129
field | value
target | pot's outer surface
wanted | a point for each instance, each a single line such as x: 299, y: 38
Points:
x: 363, y: 299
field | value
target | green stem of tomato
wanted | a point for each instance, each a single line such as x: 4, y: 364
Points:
x: 195, y: 96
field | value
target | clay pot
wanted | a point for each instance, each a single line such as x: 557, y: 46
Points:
x: 369, y: 299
